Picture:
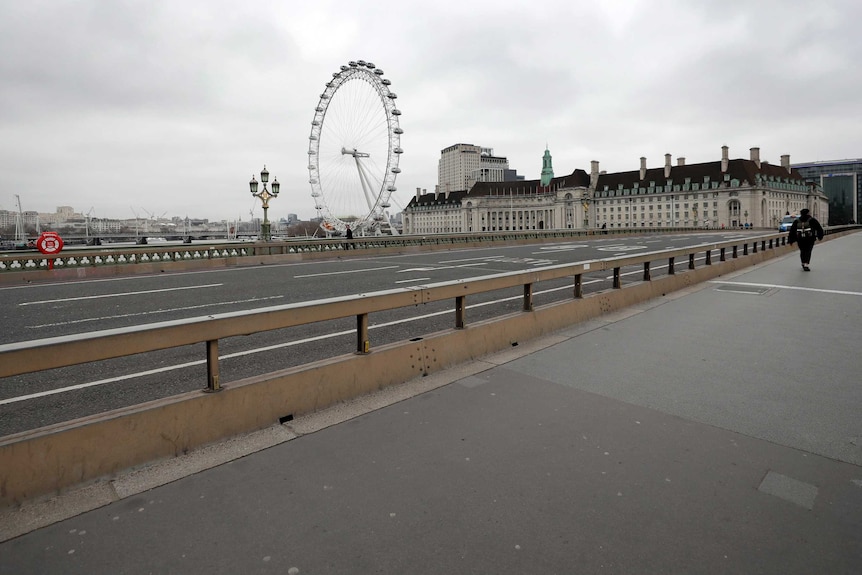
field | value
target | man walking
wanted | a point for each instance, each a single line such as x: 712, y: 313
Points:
x: 349, y: 234
x: 805, y: 231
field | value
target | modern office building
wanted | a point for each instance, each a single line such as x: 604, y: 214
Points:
x: 462, y: 165
x: 727, y: 193
x: 841, y: 181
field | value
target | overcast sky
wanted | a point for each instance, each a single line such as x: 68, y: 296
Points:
x: 169, y: 107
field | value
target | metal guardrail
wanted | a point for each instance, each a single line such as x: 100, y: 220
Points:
x: 88, y: 257
x: 38, y: 355
x: 84, y: 257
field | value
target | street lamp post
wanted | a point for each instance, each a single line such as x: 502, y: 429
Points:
x: 586, y: 205
x: 264, y: 195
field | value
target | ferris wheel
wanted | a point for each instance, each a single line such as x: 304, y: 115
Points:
x: 353, y: 150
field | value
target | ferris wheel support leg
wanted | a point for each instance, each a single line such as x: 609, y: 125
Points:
x: 366, y: 185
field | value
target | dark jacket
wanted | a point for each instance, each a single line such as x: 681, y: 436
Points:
x: 816, y: 228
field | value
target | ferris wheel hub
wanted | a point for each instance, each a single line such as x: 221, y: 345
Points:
x: 354, y: 152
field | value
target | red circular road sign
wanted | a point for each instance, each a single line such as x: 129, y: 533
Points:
x: 49, y: 243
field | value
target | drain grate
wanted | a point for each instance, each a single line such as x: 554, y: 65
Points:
x: 752, y: 290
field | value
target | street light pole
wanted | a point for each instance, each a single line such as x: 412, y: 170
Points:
x: 264, y: 195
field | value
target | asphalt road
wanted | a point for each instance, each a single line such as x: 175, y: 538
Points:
x: 48, y: 310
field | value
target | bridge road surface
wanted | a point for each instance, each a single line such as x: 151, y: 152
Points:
x: 73, y: 307
x: 716, y: 430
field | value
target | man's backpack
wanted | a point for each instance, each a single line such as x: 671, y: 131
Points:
x: 804, y: 229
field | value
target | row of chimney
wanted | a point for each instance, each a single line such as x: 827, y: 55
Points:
x: 725, y: 159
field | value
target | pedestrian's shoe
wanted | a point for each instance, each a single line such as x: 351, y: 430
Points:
x: 806, y: 268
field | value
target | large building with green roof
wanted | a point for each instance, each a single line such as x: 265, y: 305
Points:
x: 726, y: 193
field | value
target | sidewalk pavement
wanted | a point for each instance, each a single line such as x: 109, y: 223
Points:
x: 715, y: 430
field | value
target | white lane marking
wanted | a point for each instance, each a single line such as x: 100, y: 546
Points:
x: 411, y: 281
x: 483, y: 258
x: 98, y: 382
x: 85, y: 320
x: 500, y: 259
x: 530, y: 261
x: 261, y: 349
x: 442, y: 268
x: 345, y: 272
x: 621, y: 248
x: 835, y: 291
x: 563, y: 248
x: 117, y: 294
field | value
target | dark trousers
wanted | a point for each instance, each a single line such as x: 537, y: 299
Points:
x: 805, y: 248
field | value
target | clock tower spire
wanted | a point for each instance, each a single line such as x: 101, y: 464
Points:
x: 547, y: 168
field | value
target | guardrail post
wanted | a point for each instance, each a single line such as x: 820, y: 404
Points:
x: 646, y: 272
x: 617, y: 282
x: 691, y: 261
x: 734, y: 256
x: 722, y: 256
x: 459, y: 312
x: 745, y: 249
x: 670, y: 269
x: 770, y: 242
x: 213, y: 384
x: 709, y: 257
x: 763, y: 245
x: 363, y: 345
x: 579, y: 287
x: 528, y: 297
x: 754, y: 247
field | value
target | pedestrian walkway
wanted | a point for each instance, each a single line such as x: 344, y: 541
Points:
x: 715, y: 430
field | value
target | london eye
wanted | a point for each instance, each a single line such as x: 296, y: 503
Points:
x: 353, y: 150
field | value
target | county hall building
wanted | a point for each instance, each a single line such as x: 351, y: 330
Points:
x: 726, y: 193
